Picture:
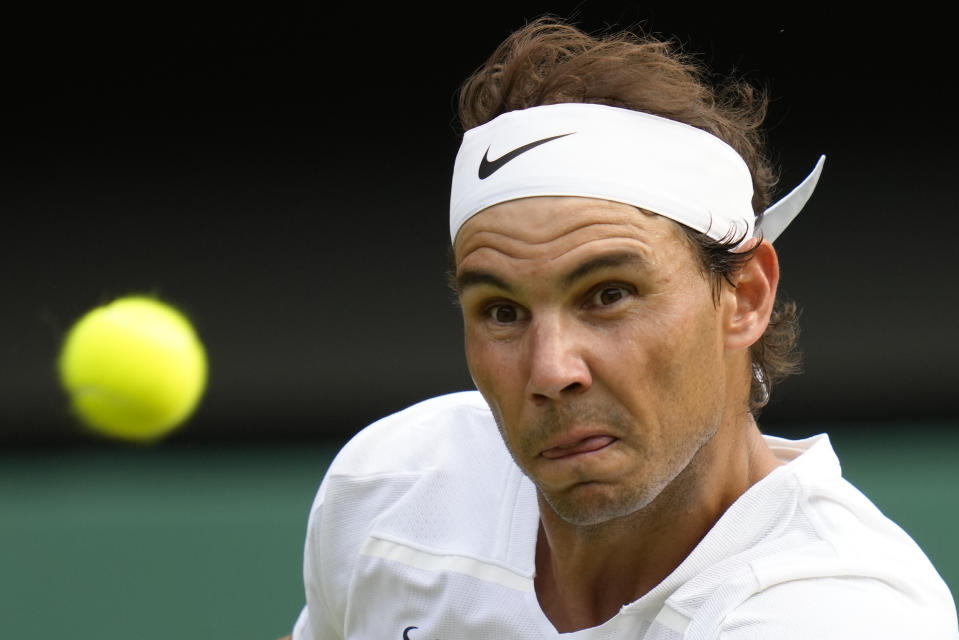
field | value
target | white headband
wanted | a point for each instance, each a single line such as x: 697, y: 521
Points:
x: 597, y: 151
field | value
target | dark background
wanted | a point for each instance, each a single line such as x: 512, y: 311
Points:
x: 281, y: 172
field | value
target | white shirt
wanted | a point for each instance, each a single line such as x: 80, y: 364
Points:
x: 425, y: 529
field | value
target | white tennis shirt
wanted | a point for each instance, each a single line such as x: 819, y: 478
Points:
x: 425, y: 529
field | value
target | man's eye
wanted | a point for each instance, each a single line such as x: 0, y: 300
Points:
x: 609, y: 295
x: 503, y: 313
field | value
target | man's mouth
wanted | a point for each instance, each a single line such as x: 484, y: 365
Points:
x: 576, y: 447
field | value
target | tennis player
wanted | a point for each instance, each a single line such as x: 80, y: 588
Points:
x: 612, y: 248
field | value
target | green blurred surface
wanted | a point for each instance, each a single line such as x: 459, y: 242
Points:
x: 144, y: 544
x: 171, y: 543
x: 911, y: 474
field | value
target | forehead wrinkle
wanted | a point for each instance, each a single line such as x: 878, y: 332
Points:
x: 618, y: 252
x: 510, y: 246
x: 530, y: 237
x: 552, y: 209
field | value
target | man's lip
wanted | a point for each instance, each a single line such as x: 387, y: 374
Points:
x: 576, y: 446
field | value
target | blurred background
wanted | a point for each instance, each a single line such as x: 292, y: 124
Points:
x: 280, y: 172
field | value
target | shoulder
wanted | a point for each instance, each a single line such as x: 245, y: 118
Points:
x: 417, y: 437
x: 839, y: 608
x: 429, y: 440
x: 418, y: 447
x: 383, y: 473
x: 804, y: 554
x: 837, y: 567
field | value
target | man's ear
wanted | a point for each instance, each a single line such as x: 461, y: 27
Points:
x: 751, y: 301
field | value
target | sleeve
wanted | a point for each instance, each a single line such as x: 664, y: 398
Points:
x: 343, y: 513
x: 368, y: 477
x: 316, y: 621
x: 835, y: 608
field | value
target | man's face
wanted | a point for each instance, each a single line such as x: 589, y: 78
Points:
x: 593, y: 335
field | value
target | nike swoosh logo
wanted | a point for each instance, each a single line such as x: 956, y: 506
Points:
x: 489, y: 167
x: 406, y: 632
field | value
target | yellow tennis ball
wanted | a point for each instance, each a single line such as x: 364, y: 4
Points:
x: 134, y: 369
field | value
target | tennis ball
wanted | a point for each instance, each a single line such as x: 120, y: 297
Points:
x: 134, y: 369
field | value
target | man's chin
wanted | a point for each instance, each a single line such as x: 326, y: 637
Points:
x: 594, y: 504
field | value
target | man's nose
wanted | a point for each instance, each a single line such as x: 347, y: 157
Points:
x: 557, y: 365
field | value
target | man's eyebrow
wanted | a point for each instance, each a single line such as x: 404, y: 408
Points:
x: 605, y: 261
x: 474, y: 278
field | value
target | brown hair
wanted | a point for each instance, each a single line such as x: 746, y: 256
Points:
x: 549, y: 62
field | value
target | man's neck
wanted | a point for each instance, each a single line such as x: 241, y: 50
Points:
x: 584, y: 575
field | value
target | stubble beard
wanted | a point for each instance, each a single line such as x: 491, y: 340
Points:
x: 590, y: 504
